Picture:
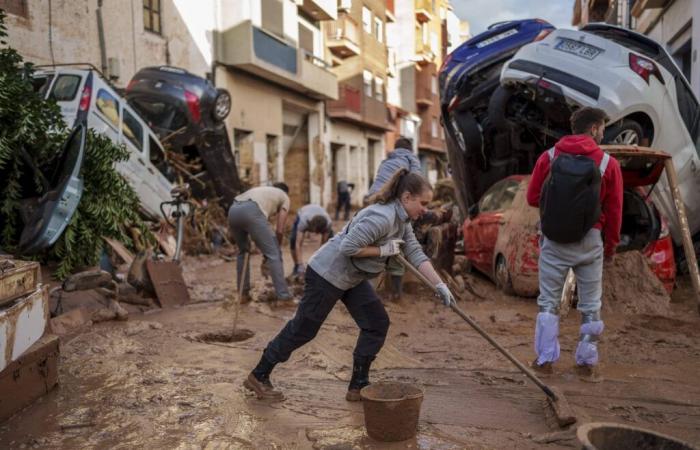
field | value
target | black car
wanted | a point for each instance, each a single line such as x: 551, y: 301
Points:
x: 187, y: 112
x: 177, y: 101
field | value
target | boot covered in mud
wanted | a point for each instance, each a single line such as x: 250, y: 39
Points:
x: 587, y: 349
x: 546, y: 341
x: 258, y: 381
x: 360, y: 377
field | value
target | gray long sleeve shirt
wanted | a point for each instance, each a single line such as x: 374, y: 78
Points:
x: 401, y: 158
x: 372, y: 226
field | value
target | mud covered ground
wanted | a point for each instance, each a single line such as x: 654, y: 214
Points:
x: 148, y: 383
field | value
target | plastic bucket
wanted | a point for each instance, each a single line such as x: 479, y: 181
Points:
x: 391, y: 410
x: 613, y: 436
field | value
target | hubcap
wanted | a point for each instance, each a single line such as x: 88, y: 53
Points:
x: 626, y: 137
x: 223, y: 104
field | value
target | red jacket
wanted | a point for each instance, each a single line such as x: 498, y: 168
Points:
x: 610, y: 188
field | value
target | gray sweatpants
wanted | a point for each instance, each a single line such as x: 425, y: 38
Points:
x: 585, y: 258
x: 245, y: 218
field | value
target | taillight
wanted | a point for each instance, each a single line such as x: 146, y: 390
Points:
x: 453, y: 103
x: 644, y: 68
x: 193, y: 105
x: 543, y: 34
x: 85, y: 98
x: 130, y: 85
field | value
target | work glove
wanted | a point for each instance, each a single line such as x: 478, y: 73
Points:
x: 445, y: 295
x: 391, y: 248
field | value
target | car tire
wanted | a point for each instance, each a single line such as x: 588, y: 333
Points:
x: 626, y: 132
x: 502, y: 276
x: 222, y: 105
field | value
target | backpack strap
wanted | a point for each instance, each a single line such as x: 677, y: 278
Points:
x: 550, y: 152
x: 604, y: 163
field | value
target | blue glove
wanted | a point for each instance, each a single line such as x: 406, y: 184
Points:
x: 445, y: 295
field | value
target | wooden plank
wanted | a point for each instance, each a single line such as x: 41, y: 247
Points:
x: 120, y: 250
x: 17, y: 278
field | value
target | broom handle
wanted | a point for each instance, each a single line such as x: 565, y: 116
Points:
x: 481, y: 331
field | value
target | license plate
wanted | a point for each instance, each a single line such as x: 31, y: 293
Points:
x: 578, y: 48
x: 496, y: 38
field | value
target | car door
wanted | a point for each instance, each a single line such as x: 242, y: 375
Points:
x: 63, y: 191
x: 483, y: 230
x: 66, y: 88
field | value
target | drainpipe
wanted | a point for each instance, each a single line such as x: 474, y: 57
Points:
x: 101, y: 38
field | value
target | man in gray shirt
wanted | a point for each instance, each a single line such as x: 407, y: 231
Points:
x: 401, y: 158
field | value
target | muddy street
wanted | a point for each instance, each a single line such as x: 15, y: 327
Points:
x: 151, y: 382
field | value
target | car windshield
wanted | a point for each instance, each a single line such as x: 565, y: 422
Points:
x: 65, y: 88
x: 499, y: 197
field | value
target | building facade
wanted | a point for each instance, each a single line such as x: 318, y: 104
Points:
x: 358, y: 120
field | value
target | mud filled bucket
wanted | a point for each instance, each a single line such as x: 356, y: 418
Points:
x: 613, y: 436
x: 391, y: 410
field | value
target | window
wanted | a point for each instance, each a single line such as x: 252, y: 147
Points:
x: 434, y: 47
x: 151, y: 16
x: 367, y: 19
x: 132, y: 129
x: 379, y: 89
x: 434, y: 127
x: 499, y: 197
x: 367, y: 82
x: 379, y: 29
x: 65, y: 88
x: 41, y: 83
x: 426, y: 33
x: 16, y: 7
x: 344, y: 4
x: 108, y: 106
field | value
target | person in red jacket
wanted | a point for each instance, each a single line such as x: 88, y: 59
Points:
x: 586, y: 256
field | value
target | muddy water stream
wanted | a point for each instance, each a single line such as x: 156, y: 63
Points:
x: 151, y: 383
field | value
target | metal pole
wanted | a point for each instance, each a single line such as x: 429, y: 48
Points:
x: 685, y: 229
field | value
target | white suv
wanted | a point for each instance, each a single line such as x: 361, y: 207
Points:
x: 628, y: 75
x: 84, y: 96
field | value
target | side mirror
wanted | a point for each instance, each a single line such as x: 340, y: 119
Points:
x: 473, y: 210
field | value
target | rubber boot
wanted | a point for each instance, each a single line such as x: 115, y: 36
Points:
x: 396, y: 287
x: 360, y: 378
x: 258, y: 381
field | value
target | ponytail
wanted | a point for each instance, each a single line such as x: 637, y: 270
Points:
x: 402, y: 181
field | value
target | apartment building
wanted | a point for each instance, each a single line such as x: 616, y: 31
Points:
x: 419, y: 39
x: 269, y: 54
x: 670, y: 22
x: 358, y: 120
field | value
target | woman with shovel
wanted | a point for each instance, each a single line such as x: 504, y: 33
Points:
x: 340, y: 270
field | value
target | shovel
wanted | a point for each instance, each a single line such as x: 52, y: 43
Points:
x: 555, y: 398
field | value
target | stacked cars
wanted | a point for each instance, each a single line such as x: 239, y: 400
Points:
x: 626, y: 74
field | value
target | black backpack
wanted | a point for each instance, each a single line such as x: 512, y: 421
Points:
x: 570, y: 200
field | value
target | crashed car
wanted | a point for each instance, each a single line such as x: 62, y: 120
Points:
x: 187, y: 112
x: 85, y: 96
x: 467, y: 78
x: 628, y: 75
x: 501, y: 235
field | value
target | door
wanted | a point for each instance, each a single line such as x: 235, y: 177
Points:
x: 483, y: 229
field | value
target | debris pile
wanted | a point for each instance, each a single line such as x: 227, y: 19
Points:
x: 630, y: 287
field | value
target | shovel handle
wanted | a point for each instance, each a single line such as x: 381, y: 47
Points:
x: 481, y: 331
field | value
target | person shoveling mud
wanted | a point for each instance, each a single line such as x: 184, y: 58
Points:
x: 578, y: 189
x: 340, y: 269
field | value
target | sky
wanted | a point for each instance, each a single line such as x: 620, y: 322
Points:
x: 482, y: 13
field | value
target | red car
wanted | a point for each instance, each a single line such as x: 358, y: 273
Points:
x: 501, y: 236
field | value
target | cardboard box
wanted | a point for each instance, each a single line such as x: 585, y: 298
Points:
x: 31, y: 376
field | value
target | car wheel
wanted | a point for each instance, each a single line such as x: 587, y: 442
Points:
x: 627, y: 132
x: 222, y: 105
x: 503, y: 281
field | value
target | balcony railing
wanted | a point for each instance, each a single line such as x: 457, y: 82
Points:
x: 349, y: 103
x: 343, y: 36
x: 424, y: 10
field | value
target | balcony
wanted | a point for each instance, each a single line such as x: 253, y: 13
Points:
x: 352, y: 105
x: 641, y: 5
x: 390, y: 17
x: 424, y: 86
x: 253, y: 50
x: 319, y: 9
x: 424, y: 55
x: 426, y: 139
x: 342, y: 37
x: 424, y: 11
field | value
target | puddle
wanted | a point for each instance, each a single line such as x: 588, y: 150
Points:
x: 225, y: 336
